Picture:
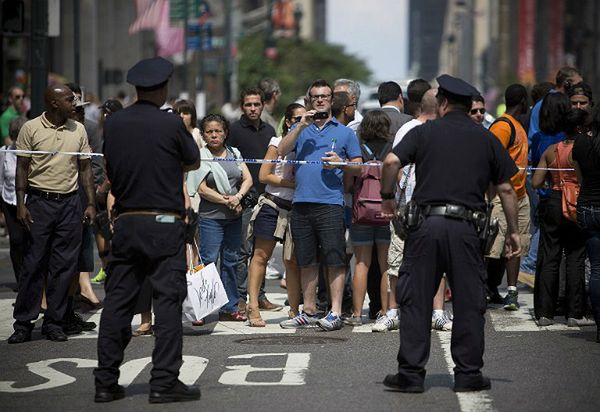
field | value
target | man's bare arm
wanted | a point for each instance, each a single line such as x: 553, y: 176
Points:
x: 508, y: 197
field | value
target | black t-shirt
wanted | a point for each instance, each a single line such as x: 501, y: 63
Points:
x: 252, y: 144
x: 588, y: 159
x: 144, y: 149
x: 455, y: 161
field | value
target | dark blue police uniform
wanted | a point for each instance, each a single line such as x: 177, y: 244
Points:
x: 145, y: 149
x: 455, y: 161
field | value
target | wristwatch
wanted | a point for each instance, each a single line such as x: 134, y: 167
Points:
x: 386, y: 196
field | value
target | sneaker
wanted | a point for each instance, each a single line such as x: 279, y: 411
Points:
x: 511, y: 300
x: 353, y: 320
x: 574, y: 322
x: 100, y: 277
x: 303, y: 320
x: 385, y: 323
x: 442, y: 322
x: 330, y: 322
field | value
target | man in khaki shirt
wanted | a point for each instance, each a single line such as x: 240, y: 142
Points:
x: 52, y: 214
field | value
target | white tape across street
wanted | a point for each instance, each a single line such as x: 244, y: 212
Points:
x: 255, y: 161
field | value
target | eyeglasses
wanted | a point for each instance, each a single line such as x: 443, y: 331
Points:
x: 320, y: 96
x: 351, y: 105
x: 18, y: 96
x: 474, y: 111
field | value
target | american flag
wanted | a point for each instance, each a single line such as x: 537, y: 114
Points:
x: 154, y: 15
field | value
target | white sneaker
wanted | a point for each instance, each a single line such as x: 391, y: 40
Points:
x: 385, y: 323
x: 441, y: 322
x: 271, y: 272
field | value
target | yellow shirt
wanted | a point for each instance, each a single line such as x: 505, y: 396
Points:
x: 518, y: 150
x: 53, y: 173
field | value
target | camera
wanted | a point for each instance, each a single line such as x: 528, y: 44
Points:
x: 320, y: 115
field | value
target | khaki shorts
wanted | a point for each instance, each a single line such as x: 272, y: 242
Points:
x: 395, y: 252
x: 524, y: 220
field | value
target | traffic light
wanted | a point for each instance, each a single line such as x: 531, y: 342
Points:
x: 13, y: 12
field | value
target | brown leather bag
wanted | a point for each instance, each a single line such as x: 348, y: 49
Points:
x: 569, y: 190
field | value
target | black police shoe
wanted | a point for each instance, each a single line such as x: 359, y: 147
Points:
x: 466, y: 383
x: 179, y: 392
x: 20, y: 336
x: 399, y: 383
x: 75, y: 324
x: 56, y: 335
x: 112, y: 393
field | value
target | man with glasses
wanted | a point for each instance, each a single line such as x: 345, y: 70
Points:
x: 318, y: 204
x: 353, y: 89
x: 477, y: 111
x: 14, y: 109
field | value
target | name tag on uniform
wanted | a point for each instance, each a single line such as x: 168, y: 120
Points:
x: 165, y: 218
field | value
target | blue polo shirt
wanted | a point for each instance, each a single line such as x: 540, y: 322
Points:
x: 314, y: 184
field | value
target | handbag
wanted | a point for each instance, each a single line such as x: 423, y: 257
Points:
x: 205, y: 292
x: 569, y: 192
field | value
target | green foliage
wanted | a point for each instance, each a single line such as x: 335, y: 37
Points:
x: 297, y: 65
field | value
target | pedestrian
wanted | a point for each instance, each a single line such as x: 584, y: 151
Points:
x: 586, y: 158
x: 221, y: 186
x: 317, y: 206
x: 251, y: 136
x: 52, y: 214
x: 442, y: 237
x: 560, y: 235
x: 269, y: 224
x: 147, y: 151
x: 15, y: 109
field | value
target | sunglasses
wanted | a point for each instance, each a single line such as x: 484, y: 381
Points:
x: 474, y: 111
x: 18, y: 96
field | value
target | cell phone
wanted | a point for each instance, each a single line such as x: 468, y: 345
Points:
x: 320, y: 115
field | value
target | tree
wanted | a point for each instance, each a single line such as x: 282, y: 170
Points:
x: 297, y: 65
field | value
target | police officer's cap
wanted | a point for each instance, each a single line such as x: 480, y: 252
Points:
x: 456, y: 87
x: 150, y: 73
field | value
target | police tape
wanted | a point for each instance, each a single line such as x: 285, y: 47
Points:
x: 252, y: 161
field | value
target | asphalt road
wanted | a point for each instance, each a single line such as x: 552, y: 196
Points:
x: 268, y: 369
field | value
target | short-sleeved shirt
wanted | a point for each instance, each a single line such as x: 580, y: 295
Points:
x: 9, y: 114
x: 58, y: 173
x: 144, y: 149
x: 518, y: 151
x: 588, y: 159
x: 208, y: 209
x: 455, y: 161
x: 252, y: 144
x: 314, y: 184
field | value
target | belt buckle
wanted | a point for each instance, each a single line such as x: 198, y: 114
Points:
x: 455, y: 211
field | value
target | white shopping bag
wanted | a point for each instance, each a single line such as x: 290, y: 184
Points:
x: 205, y: 293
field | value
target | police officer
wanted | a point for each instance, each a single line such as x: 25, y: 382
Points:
x: 446, y: 239
x: 147, y: 151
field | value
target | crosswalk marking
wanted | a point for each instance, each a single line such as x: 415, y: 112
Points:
x: 501, y: 320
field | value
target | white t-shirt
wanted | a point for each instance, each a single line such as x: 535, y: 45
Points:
x: 9, y: 172
x: 284, y: 171
x: 410, y: 183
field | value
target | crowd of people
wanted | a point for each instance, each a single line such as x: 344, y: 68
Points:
x: 307, y: 197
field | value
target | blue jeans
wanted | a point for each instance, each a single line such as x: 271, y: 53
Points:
x: 588, y: 218
x: 222, y: 238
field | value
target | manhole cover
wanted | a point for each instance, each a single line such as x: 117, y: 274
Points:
x: 290, y: 340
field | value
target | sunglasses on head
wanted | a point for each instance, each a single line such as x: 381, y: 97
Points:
x: 474, y: 111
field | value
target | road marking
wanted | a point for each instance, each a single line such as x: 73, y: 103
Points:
x: 293, y: 373
x: 468, y: 401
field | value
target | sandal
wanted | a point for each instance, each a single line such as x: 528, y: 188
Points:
x: 200, y: 322
x: 254, y: 319
x: 236, y: 316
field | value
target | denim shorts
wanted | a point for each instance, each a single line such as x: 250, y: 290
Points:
x: 367, y: 235
x: 318, y: 231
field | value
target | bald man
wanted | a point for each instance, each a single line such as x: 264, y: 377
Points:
x: 51, y: 213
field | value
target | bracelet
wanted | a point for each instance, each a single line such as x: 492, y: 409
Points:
x: 91, y: 205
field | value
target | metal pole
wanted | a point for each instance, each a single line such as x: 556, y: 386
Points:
x: 228, y: 63
x: 76, y: 42
x: 39, y: 52
x: 185, y: 47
